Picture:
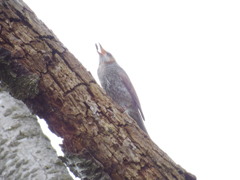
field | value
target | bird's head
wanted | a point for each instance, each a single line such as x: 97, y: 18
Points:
x: 104, y: 56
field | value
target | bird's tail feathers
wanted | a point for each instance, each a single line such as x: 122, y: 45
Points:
x: 135, y: 114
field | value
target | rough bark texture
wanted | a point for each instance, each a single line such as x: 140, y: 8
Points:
x: 41, y: 72
x: 25, y: 152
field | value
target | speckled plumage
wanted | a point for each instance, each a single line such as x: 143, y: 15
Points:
x: 118, y: 86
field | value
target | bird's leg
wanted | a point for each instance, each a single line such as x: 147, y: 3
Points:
x: 126, y: 111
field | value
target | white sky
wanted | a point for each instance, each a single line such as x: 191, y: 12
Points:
x: 183, y: 59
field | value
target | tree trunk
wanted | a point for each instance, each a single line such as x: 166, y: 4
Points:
x: 100, y: 141
x: 25, y: 152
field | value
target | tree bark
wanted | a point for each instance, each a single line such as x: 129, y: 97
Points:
x: 100, y: 141
x: 25, y: 152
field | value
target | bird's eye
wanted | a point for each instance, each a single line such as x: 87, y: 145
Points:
x: 109, y: 54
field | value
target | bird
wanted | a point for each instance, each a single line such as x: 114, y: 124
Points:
x: 115, y: 81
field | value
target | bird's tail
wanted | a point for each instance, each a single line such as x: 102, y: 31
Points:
x: 135, y: 114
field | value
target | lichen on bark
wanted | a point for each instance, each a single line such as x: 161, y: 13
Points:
x: 21, y: 83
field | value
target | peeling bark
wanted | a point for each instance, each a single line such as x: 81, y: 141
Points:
x: 41, y: 72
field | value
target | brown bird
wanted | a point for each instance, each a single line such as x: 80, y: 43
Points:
x: 118, y: 86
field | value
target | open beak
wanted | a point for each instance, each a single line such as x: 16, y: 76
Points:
x: 100, y: 50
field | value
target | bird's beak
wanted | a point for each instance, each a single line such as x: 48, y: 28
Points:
x: 100, y: 50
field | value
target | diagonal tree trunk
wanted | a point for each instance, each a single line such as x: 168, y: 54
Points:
x: 100, y: 141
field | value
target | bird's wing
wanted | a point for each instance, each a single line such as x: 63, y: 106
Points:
x: 126, y: 81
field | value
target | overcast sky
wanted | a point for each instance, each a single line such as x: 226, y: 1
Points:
x: 183, y: 59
